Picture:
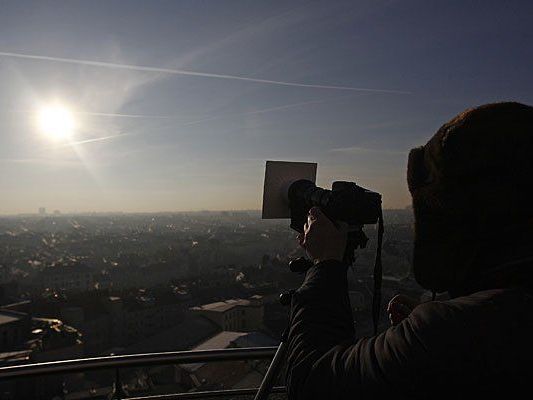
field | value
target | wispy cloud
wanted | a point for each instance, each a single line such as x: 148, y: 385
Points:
x: 260, y: 111
x: 119, y: 115
x: 43, y: 161
x: 366, y: 150
x: 194, y: 73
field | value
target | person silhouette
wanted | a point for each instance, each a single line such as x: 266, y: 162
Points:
x: 471, y: 187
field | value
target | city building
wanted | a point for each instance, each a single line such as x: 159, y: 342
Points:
x: 235, y: 314
x: 15, y: 329
x: 75, y: 278
x: 40, y: 339
x: 225, y: 374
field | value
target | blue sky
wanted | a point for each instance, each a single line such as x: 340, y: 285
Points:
x: 151, y: 137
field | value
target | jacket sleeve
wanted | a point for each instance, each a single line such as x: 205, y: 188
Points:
x: 325, y: 360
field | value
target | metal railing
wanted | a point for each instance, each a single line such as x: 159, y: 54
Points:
x: 144, y: 360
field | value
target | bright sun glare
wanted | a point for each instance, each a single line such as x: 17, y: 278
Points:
x: 56, y: 122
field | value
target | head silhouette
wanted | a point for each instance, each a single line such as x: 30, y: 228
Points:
x: 469, y: 183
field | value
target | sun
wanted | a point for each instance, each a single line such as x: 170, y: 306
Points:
x: 56, y: 122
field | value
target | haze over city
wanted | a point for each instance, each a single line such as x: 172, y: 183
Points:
x: 168, y: 106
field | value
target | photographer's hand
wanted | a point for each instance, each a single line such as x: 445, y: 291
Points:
x: 399, y: 308
x: 322, y: 239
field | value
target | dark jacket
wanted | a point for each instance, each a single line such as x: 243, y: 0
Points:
x: 476, y: 346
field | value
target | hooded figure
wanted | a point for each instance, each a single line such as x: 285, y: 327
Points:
x: 471, y: 186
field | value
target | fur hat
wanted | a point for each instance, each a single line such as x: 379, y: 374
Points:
x: 473, y: 177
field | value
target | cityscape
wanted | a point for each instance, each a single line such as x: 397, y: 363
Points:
x: 87, y: 285
x: 143, y: 142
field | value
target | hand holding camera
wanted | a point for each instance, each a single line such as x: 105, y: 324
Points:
x: 322, y: 238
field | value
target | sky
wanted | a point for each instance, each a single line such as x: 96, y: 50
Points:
x: 177, y: 104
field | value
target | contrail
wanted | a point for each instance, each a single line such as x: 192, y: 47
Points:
x: 70, y: 144
x: 89, y: 141
x: 98, y: 114
x: 262, y: 111
x: 194, y: 73
x: 287, y: 106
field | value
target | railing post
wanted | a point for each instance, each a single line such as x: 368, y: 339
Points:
x: 268, y: 381
x: 118, y: 392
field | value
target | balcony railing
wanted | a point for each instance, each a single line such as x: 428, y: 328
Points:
x: 116, y: 363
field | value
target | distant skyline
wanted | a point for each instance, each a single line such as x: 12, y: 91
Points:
x: 176, y: 105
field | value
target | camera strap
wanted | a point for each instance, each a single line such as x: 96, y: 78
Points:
x: 378, y: 275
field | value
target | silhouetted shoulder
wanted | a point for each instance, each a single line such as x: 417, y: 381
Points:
x: 476, y: 311
x: 486, y: 333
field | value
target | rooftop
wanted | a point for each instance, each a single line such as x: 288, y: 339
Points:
x: 227, y: 339
x: 255, y: 339
x: 182, y: 336
x: 14, y: 357
x: 65, y: 269
x: 6, y: 317
x: 223, y: 306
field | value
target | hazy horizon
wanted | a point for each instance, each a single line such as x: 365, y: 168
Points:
x: 52, y: 212
x: 177, y: 105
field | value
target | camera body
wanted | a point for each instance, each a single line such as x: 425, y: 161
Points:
x: 345, y: 202
x: 290, y: 192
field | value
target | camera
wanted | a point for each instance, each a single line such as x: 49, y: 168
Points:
x: 290, y: 192
x: 345, y: 202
